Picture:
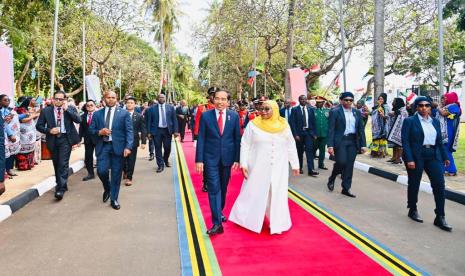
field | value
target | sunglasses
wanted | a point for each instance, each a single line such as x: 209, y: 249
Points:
x: 423, y: 105
x: 264, y: 109
x: 348, y: 100
x: 59, y: 99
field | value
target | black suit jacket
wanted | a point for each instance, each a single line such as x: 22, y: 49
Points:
x: 337, y: 127
x: 296, y: 121
x: 47, y: 121
x: 139, y: 129
x: 84, y: 131
x: 180, y: 112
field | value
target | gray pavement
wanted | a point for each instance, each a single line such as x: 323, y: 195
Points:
x: 81, y: 235
x: 380, y: 211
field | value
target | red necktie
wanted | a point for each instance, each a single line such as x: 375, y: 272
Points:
x: 90, y: 119
x: 220, y: 122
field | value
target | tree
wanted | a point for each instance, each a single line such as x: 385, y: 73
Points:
x: 379, y: 48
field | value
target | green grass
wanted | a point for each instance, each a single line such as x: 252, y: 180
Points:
x: 459, y: 155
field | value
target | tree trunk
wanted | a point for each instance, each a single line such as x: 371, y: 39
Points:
x: 379, y: 48
x: 290, y: 47
x: 19, y: 82
x: 162, y: 56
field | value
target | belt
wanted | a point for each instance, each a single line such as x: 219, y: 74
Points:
x: 107, y: 142
x: 349, y: 135
x: 429, y: 146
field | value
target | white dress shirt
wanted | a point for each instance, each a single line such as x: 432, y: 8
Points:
x: 350, y: 121
x: 112, y: 115
x: 218, y: 116
x: 160, y: 123
x: 305, y: 115
x: 428, y: 130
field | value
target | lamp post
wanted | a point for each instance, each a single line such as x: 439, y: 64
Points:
x: 441, y: 49
x: 343, y: 52
x: 54, y: 49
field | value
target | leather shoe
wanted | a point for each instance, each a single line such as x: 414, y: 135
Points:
x: 204, y: 188
x: 59, y: 195
x: 88, y: 177
x: 413, y: 214
x: 167, y: 164
x: 323, y: 168
x: 216, y: 229
x: 106, y: 196
x: 115, y: 205
x: 151, y: 157
x: 301, y: 171
x: 331, y: 183
x: 440, y: 221
x: 347, y: 193
x: 313, y: 173
x: 224, y: 219
x: 160, y: 169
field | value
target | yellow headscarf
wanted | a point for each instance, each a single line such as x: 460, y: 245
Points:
x: 274, y: 124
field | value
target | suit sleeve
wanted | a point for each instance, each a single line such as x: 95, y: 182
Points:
x: 143, y: 130
x: 175, y: 122
x: 41, y: 123
x: 93, y: 128
x: 148, y: 119
x: 129, y: 131
x: 331, y: 127
x: 200, y: 141
x: 312, y: 122
x: 72, y: 112
x: 361, y: 130
x: 81, y: 127
x: 245, y: 147
x: 292, y: 119
x: 237, y: 139
x: 405, y: 136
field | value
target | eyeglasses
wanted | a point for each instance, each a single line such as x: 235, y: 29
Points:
x: 59, y: 99
x: 89, y: 105
x: 264, y: 109
x: 423, y: 105
x: 348, y: 100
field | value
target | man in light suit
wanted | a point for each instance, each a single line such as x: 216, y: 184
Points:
x: 162, y: 123
x: 217, y: 151
x: 302, y: 123
x: 113, y: 127
x: 57, y: 123
x: 346, y: 137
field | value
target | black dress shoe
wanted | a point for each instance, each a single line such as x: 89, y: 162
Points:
x: 331, y: 183
x: 59, y: 195
x: 88, y: 177
x: 301, y: 171
x: 204, y: 188
x: 167, y: 164
x: 224, y: 219
x: 313, y: 173
x: 216, y: 229
x: 160, y: 169
x: 115, y: 205
x: 323, y: 168
x: 106, y: 196
x: 413, y: 214
x: 151, y: 157
x: 348, y: 193
x: 440, y: 221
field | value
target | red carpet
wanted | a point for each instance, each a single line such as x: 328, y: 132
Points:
x: 309, y: 248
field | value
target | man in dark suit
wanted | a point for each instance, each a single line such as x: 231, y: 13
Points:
x: 346, y: 137
x: 113, y: 127
x: 57, y: 123
x: 182, y: 114
x: 286, y: 111
x: 218, y: 147
x: 140, y: 132
x: 424, y: 151
x: 161, y: 124
x: 302, y: 123
x: 89, y: 139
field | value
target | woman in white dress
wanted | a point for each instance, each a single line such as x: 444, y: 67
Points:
x: 267, y: 148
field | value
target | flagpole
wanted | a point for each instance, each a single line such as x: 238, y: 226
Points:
x: 120, y: 83
x: 343, y: 52
x: 441, y: 49
x: 84, y: 91
x: 255, y: 67
x: 54, y: 48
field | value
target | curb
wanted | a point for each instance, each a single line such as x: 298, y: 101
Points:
x: 9, y: 207
x: 403, y: 179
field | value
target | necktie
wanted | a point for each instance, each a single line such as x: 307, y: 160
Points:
x: 59, y: 119
x: 107, y: 123
x: 220, y: 122
x: 89, y: 120
x: 287, y: 114
x: 163, y: 118
x: 304, y: 112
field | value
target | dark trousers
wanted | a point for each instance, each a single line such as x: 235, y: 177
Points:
x: 130, y: 163
x: 345, y: 154
x: 217, y: 178
x: 10, y: 162
x: 320, y: 144
x: 162, y: 140
x: 151, y: 146
x: 89, y: 158
x: 107, y: 160
x: 435, y: 171
x: 60, y: 158
x: 305, y: 145
x: 182, y: 128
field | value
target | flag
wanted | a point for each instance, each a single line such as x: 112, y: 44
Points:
x: 338, y: 81
x: 361, y: 89
x: 306, y: 72
x: 250, y: 81
x: 315, y: 68
x: 411, y: 98
x: 260, y: 67
x: 297, y: 83
x: 253, y: 74
x: 409, y: 75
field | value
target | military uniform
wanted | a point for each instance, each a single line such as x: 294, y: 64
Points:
x: 322, y: 123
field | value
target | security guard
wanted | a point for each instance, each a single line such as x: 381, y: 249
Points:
x: 322, y: 122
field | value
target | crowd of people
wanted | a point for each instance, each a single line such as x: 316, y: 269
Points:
x: 230, y: 135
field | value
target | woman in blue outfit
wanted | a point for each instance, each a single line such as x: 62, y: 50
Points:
x: 451, y: 111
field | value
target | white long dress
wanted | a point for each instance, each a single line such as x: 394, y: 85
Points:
x: 267, y: 157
